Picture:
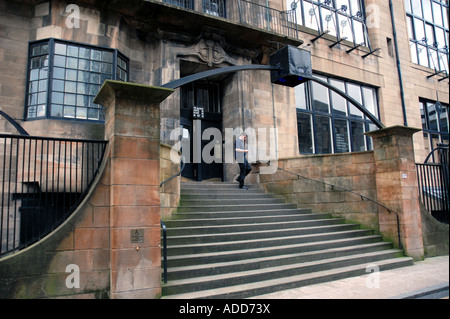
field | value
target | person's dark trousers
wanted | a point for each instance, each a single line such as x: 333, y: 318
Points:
x: 245, y: 169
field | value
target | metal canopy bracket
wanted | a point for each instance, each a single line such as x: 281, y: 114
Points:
x: 290, y: 67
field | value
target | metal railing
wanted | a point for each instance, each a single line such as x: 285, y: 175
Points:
x: 433, y: 181
x: 264, y: 17
x: 42, y: 181
x: 245, y: 12
x: 163, y: 226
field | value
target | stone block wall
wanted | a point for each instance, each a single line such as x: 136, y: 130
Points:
x: 355, y: 172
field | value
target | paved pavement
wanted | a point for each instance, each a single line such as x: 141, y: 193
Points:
x: 428, y: 279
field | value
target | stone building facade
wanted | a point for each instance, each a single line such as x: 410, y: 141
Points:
x: 391, y: 56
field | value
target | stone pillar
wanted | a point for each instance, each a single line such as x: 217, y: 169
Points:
x: 396, y: 184
x: 132, y: 126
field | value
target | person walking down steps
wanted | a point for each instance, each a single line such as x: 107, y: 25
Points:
x: 241, y: 158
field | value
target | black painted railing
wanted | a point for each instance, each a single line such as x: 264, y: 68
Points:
x: 245, y: 12
x: 433, y: 181
x: 42, y: 181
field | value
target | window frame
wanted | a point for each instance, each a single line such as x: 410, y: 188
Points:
x: 337, y: 117
x: 429, y: 24
x: 352, y: 15
x: 51, y: 42
x: 428, y: 132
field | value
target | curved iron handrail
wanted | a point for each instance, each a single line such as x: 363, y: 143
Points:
x: 389, y: 210
x: 14, y: 123
x: 42, y: 182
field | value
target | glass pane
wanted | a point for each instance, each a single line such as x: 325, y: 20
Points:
x: 93, y: 114
x: 428, y: 15
x: 419, y: 28
x: 358, y: 144
x: 40, y: 110
x: 423, y: 116
x: 82, y: 88
x: 58, y: 85
x: 311, y: 15
x: 320, y: 96
x: 81, y: 113
x: 423, y: 55
x: 417, y: 8
x: 360, y: 37
x: 341, y: 133
x: 304, y: 127
x: 56, y: 110
x: 59, y: 73
x: 59, y: 60
x: 430, y: 34
x: 437, y: 13
x: 443, y: 118
x: 355, y: 7
x: 69, y: 111
x: 338, y: 103
x: 300, y: 97
x: 72, y: 51
x: 57, y: 98
x: 71, y: 87
x: 84, y: 53
x: 345, y: 27
x: 443, y: 61
x: 322, y: 132
x: 413, y: 49
x: 432, y: 117
x: 69, y: 99
x: 343, y: 6
x: 410, y: 27
x: 71, y: 75
x: 60, y: 49
x: 355, y: 92
x: 440, y: 37
x: 329, y: 22
x: 408, y: 6
x: 72, y: 63
x: 370, y: 100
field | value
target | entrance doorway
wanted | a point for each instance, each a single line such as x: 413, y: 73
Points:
x: 200, y: 110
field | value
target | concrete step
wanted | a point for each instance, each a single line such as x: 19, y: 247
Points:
x: 263, y: 287
x: 233, y: 207
x: 283, y: 272
x: 255, y: 200
x: 249, y: 219
x: 239, y: 214
x: 173, y: 250
x: 258, y: 234
x: 184, y: 271
x: 225, y: 242
x: 245, y: 253
x: 220, y: 229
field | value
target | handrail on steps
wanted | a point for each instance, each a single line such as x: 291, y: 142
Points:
x: 163, y: 226
x: 389, y: 210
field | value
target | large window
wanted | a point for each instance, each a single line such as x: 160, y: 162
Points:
x: 435, y: 123
x: 340, y: 18
x: 65, y: 77
x: 428, y: 32
x: 328, y: 123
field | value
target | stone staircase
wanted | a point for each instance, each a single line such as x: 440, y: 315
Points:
x: 229, y: 243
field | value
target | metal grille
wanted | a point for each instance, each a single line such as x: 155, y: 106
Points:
x: 42, y: 181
